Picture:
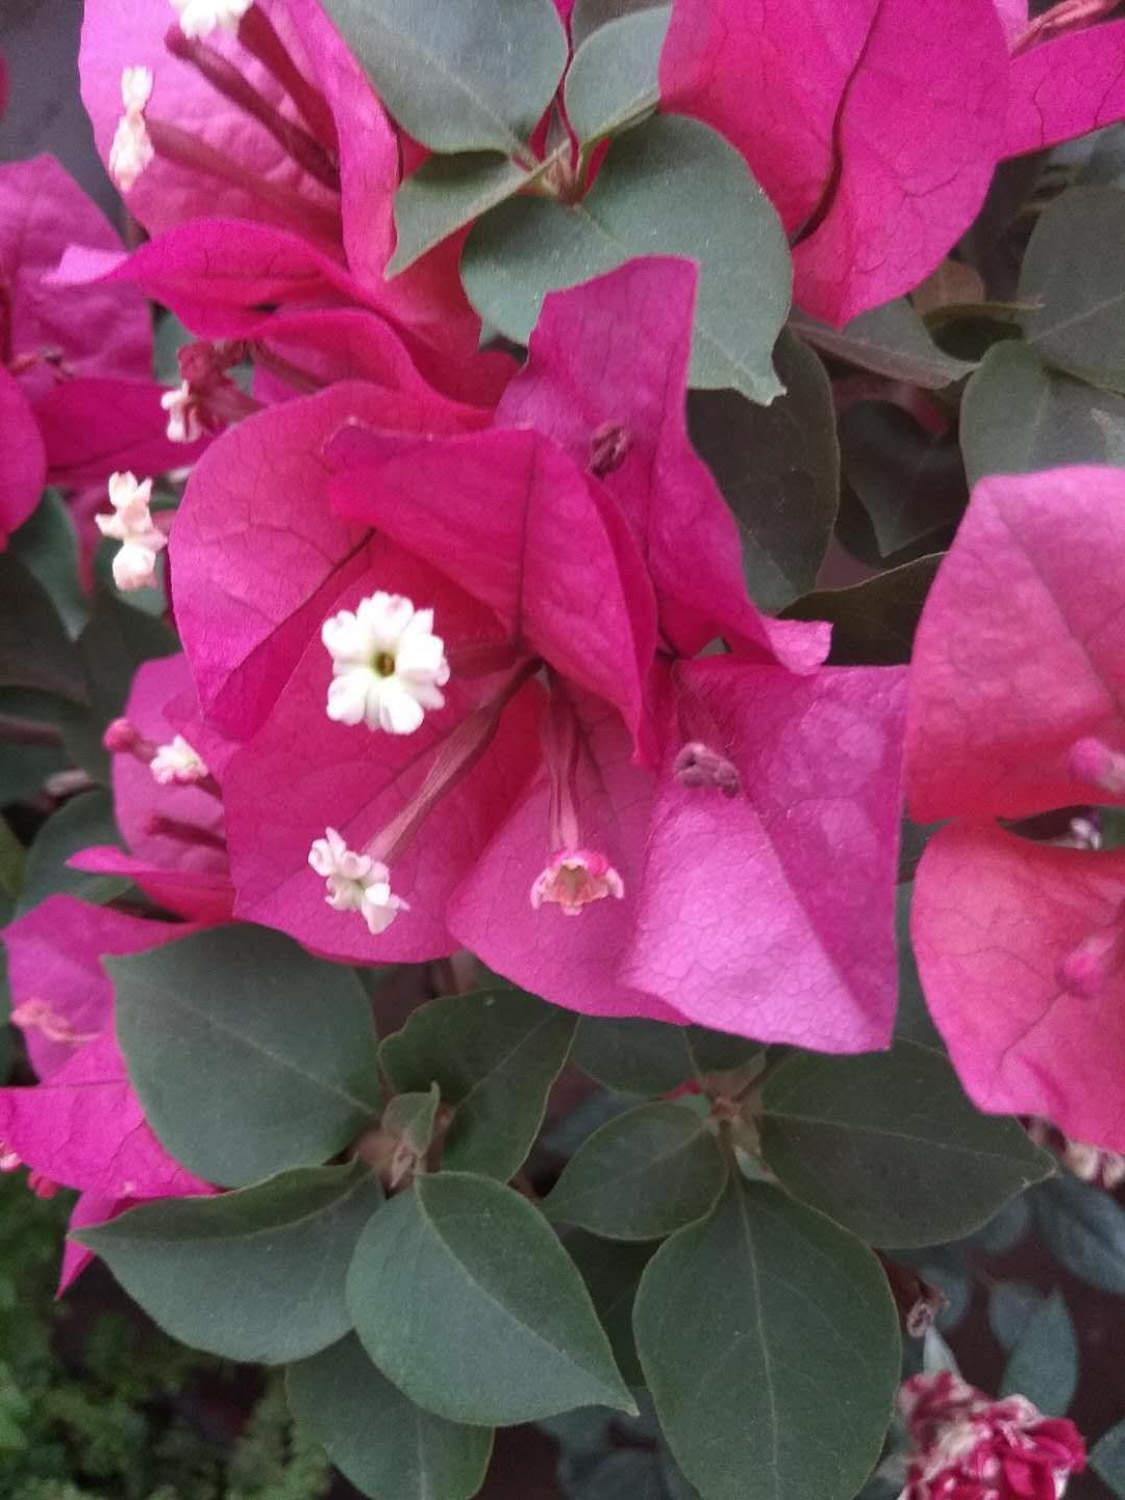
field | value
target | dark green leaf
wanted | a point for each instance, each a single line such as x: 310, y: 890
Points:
x: 25, y: 768
x: 1044, y: 1364
x: 888, y: 1145
x: 389, y: 1448
x: 588, y: 15
x: 669, y: 187
x: 13, y: 861
x: 913, y: 1023
x: 249, y: 1056
x: 1107, y: 1459
x: 471, y: 76
x: 35, y: 650
x: 1018, y: 417
x: 505, y: 1331
x: 1084, y: 1229
x: 614, y: 77
x: 494, y: 1056
x: 253, y: 1275
x: 47, y: 546
x: 910, y: 482
x: 651, y: 1057
x: 79, y: 824
x: 612, y: 1272
x: 445, y: 193
x: 1011, y: 1307
x: 1074, y: 277
x: 771, y: 1345
x: 873, y: 622
x: 891, y: 340
x: 643, y: 1175
x: 779, y: 469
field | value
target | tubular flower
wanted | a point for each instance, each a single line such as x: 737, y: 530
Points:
x: 388, y: 667
x: 134, y: 565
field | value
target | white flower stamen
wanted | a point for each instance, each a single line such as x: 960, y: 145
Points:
x: 355, y: 882
x: 388, y: 667
x: 131, y: 149
x: 184, y: 425
x: 199, y: 18
x: 178, y: 764
x: 131, y: 524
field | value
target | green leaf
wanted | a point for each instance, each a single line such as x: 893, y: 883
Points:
x: 1107, y: 1459
x: 47, y: 545
x: 1073, y: 275
x: 505, y: 1331
x: 35, y: 650
x: 614, y: 78
x: 873, y: 622
x: 641, y: 1176
x: 249, y: 1056
x: 913, y: 1023
x: 1044, y: 1364
x: 445, y: 193
x: 779, y: 468
x: 1018, y: 417
x: 612, y: 1271
x: 910, y: 482
x: 888, y: 1145
x: 891, y: 340
x: 253, y: 1275
x: 588, y: 15
x: 13, y: 861
x: 472, y: 76
x: 770, y: 1341
x: 411, y: 1117
x: 670, y: 187
x: 111, y: 647
x: 494, y: 1056
x: 1084, y: 1229
x: 389, y: 1448
x: 79, y: 824
x: 651, y: 1057
x: 1011, y: 1307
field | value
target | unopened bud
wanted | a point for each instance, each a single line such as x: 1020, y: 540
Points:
x: 609, y: 447
x: 698, y: 765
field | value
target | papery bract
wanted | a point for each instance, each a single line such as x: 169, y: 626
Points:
x: 1065, y: 87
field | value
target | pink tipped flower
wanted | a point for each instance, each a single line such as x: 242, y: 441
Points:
x: 967, y: 1446
x: 575, y: 877
x: 1014, y: 710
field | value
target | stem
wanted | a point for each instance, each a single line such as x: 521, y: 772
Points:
x: 256, y: 33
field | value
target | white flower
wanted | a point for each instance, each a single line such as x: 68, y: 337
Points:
x: 355, y: 882
x: 574, y: 879
x: 388, y: 667
x: 178, y: 764
x: 131, y: 524
x: 131, y: 149
x: 199, y: 18
x: 184, y: 425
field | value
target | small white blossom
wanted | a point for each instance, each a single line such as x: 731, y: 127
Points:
x: 199, y: 18
x: 131, y: 149
x: 355, y: 882
x: 131, y: 524
x: 184, y: 425
x: 178, y: 764
x: 388, y: 666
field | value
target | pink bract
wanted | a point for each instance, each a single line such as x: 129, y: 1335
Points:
x: 1015, y: 709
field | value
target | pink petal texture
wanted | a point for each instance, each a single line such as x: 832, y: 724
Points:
x: 94, y: 427
x: 508, y: 516
x: 874, y: 127
x: 120, y: 34
x: 53, y: 958
x: 303, y: 773
x: 95, y: 330
x: 257, y: 555
x: 23, y: 472
x: 608, y: 365
x: 996, y: 922
x: 83, y: 1127
x: 1013, y: 17
x: 770, y: 913
x: 1065, y: 88
x: 573, y: 962
x: 1020, y: 654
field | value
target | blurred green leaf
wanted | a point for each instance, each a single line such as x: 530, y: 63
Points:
x: 652, y: 1057
x: 389, y: 1448
x: 588, y: 15
x: 1043, y: 1366
x: 873, y: 622
x: 252, y: 1275
x: 612, y: 1272
x: 35, y: 650
x: 81, y: 823
x: 1084, y: 1229
x: 911, y: 482
x: 249, y: 1055
x: 891, y: 340
x: 1107, y: 1459
x: 505, y: 1332
x: 47, y: 545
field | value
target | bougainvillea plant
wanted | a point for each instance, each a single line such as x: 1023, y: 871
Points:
x: 562, y: 723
